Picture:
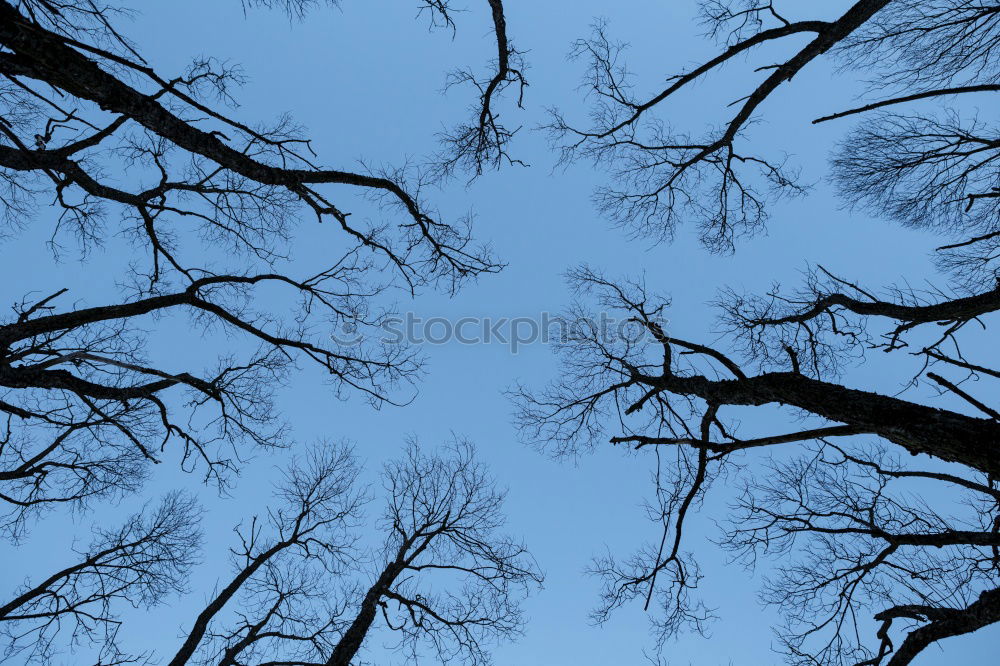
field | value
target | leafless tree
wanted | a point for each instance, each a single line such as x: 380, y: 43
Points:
x: 445, y: 576
x: 483, y: 142
x: 210, y: 202
x: 877, y: 572
x: 913, y: 50
x: 140, y: 563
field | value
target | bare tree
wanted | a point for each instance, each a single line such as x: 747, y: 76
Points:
x: 483, y: 142
x: 445, y: 575
x: 878, y: 572
x: 661, y: 173
x: 209, y: 201
x: 140, y: 563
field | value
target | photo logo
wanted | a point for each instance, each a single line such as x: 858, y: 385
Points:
x: 514, y: 332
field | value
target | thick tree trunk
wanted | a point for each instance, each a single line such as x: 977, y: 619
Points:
x: 950, y: 436
x: 352, y: 639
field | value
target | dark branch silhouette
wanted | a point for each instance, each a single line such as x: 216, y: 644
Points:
x: 483, y: 142
x: 210, y: 206
x: 662, y: 391
x: 842, y: 508
x: 660, y: 174
x: 871, y: 574
x: 446, y: 578
x: 139, y: 564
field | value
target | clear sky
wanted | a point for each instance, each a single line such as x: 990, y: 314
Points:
x: 366, y: 81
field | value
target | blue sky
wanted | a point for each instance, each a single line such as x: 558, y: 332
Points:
x: 366, y: 81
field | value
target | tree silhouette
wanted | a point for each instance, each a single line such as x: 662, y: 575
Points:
x: 876, y: 573
x: 445, y: 577
x: 209, y: 201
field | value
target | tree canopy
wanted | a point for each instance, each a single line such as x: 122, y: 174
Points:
x: 872, y: 508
